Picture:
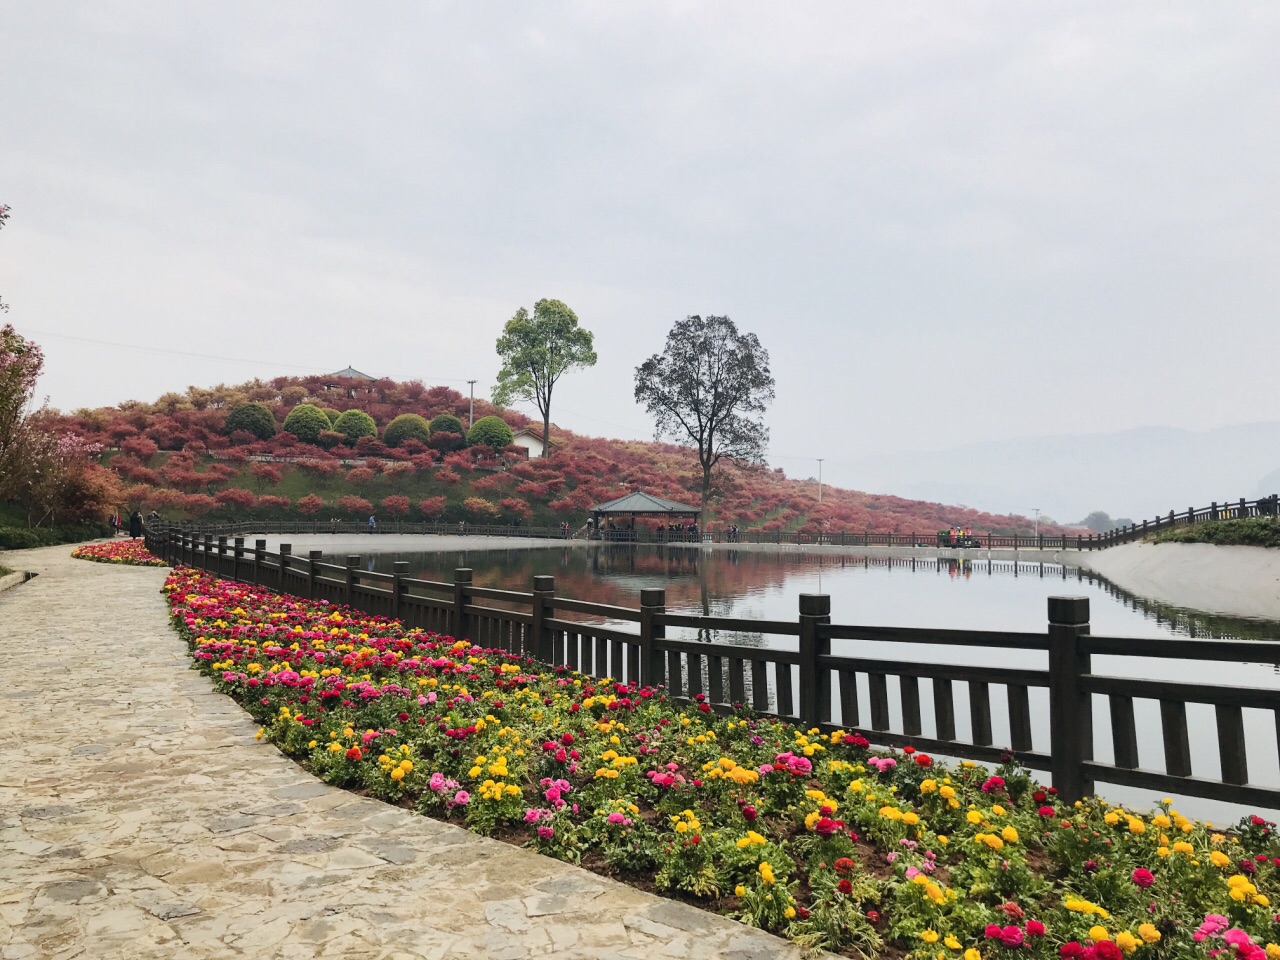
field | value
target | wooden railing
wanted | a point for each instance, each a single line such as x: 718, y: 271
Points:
x: 806, y: 680
x: 1227, y: 510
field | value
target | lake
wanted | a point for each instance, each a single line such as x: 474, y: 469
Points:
x: 763, y: 584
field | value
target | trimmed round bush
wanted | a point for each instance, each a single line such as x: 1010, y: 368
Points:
x: 492, y: 432
x: 407, y: 426
x: 256, y: 418
x: 305, y: 422
x: 447, y: 423
x: 355, y: 424
x: 331, y: 413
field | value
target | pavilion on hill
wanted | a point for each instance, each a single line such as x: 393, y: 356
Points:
x: 351, y: 373
x: 616, y: 520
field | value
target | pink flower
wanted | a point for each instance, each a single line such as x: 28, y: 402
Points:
x: 1011, y: 936
x: 462, y: 798
x: 546, y: 833
x: 1035, y: 928
x: 1143, y: 877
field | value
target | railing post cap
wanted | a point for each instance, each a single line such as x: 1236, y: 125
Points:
x: 815, y: 605
x: 315, y: 554
x: 1069, y: 610
x: 462, y: 575
x: 545, y: 583
x: 400, y: 566
x: 353, y: 559
x: 260, y: 544
x: 653, y: 597
x: 286, y: 548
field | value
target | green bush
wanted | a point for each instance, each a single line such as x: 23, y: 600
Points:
x: 492, y: 432
x: 447, y: 423
x: 331, y: 413
x: 355, y: 424
x: 407, y: 426
x: 305, y: 422
x: 27, y: 538
x: 1253, y: 532
x: 256, y: 418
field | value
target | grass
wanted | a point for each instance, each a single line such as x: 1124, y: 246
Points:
x: 1254, y: 532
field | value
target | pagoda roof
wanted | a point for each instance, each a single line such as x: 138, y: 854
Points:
x: 351, y: 373
x: 640, y: 502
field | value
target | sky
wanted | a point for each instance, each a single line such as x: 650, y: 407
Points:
x: 947, y: 223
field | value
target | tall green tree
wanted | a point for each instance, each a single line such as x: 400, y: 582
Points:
x: 535, y: 352
x: 710, y: 386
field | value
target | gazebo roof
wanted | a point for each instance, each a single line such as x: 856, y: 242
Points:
x: 352, y: 373
x: 640, y: 502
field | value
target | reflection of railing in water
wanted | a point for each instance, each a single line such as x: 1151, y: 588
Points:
x: 807, y: 682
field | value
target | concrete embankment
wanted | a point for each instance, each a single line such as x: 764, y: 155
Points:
x: 1236, y: 581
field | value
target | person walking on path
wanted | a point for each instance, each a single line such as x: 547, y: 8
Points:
x: 135, y: 525
x: 373, y: 523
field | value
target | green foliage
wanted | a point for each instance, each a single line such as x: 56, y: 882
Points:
x: 27, y: 538
x: 256, y: 418
x: 1253, y: 532
x: 710, y: 386
x: 355, y: 424
x: 331, y: 413
x: 407, y: 426
x: 447, y: 423
x: 536, y: 351
x: 492, y: 432
x: 305, y: 422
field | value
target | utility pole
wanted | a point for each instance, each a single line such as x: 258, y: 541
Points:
x: 1037, y: 510
x: 471, y: 412
x: 820, y: 459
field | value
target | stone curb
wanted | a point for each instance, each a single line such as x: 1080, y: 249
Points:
x: 13, y: 579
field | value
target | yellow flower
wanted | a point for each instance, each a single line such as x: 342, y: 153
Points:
x: 1136, y: 826
x: 258, y: 735
x: 1273, y: 951
x: 944, y: 840
x: 972, y: 954
x: 1009, y: 834
x: 790, y: 912
x: 1262, y: 900
x: 929, y: 936
x: 910, y: 819
x: 1183, y: 847
x: 1112, y: 818
x: 766, y: 873
x: 997, y: 810
x: 952, y: 942
x: 929, y: 786
x: 739, y: 891
x: 1126, y: 941
x: 1149, y: 934
x: 974, y: 817
x: 1098, y: 933
x: 1219, y: 859
x: 397, y: 774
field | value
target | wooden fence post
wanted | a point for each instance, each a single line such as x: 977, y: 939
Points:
x: 815, y: 695
x: 1070, y: 709
x: 353, y: 561
x: 259, y: 553
x: 544, y: 588
x: 238, y: 557
x: 285, y: 550
x: 461, y: 587
x: 653, y: 601
x: 313, y: 557
x: 398, y: 570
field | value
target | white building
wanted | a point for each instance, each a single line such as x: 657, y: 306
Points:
x: 531, y: 440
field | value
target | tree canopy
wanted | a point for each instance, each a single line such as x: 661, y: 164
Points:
x: 709, y: 385
x: 535, y: 352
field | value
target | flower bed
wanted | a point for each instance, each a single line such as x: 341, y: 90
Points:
x: 814, y: 836
x: 131, y: 552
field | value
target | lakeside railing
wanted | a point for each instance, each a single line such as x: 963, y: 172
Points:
x: 805, y: 681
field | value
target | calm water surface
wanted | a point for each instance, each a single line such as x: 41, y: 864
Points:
x: 1002, y: 596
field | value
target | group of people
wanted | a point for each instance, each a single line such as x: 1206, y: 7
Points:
x: 133, y: 524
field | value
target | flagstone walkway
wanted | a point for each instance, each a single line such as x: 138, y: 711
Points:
x: 139, y: 818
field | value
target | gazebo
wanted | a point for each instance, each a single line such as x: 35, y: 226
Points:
x: 633, y: 505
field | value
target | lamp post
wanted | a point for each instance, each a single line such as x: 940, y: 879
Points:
x: 471, y: 410
x: 1037, y: 510
x: 820, y: 459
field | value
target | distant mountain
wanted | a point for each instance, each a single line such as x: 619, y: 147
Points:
x: 1135, y: 473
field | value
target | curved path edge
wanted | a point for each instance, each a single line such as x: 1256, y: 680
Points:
x: 139, y: 818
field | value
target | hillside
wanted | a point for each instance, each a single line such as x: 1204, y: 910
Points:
x: 176, y: 456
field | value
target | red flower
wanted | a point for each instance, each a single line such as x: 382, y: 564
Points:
x: 749, y: 812
x: 802, y: 913
x: 1071, y: 951
x: 873, y: 917
x: 1144, y: 877
x: 1013, y: 910
x: 844, y: 865
x: 354, y: 753
x: 1035, y: 928
x: 1107, y: 950
x: 924, y: 760
x: 844, y: 886
x: 1045, y: 811
x: 1039, y: 796
x: 908, y: 750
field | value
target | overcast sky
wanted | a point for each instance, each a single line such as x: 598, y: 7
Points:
x: 947, y: 222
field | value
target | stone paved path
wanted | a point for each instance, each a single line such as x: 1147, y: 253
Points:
x: 139, y: 818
